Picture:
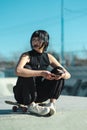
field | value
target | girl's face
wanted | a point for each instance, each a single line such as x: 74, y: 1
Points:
x: 37, y: 43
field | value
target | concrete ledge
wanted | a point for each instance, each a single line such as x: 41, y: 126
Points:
x: 6, y: 86
x: 71, y: 115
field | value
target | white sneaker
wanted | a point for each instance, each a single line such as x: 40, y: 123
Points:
x: 52, y: 108
x: 40, y: 110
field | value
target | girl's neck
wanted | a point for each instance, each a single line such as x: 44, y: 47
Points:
x: 39, y: 50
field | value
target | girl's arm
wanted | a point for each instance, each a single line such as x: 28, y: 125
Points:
x: 54, y: 63
x: 24, y: 72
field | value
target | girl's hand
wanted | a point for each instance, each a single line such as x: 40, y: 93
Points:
x: 60, y: 76
x: 48, y: 75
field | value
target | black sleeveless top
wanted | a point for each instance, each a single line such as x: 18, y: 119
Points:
x: 38, y: 61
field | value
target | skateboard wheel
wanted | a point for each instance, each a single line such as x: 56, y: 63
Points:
x: 14, y: 108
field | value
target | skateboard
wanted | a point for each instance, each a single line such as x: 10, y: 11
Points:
x: 17, y: 107
x: 24, y: 109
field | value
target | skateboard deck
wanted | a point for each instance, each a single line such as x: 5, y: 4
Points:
x: 17, y: 107
x: 20, y: 108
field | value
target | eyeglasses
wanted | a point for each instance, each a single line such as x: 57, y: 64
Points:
x: 36, y: 39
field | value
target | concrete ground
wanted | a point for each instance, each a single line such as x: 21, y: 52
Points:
x: 71, y: 115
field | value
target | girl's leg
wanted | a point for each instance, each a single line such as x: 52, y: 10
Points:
x: 49, y: 89
x: 17, y: 90
x: 29, y: 91
x: 25, y: 90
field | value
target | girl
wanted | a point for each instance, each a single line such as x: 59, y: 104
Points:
x: 35, y: 83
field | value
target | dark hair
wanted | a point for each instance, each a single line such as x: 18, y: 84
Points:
x: 42, y: 35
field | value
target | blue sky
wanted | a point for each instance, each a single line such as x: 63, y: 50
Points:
x: 19, y: 18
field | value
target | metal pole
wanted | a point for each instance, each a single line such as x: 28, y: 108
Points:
x: 62, y: 32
